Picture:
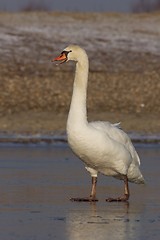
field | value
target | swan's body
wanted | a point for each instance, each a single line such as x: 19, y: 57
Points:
x: 102, y: 146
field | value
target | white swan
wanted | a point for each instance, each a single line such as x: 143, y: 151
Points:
x: 102, y: 146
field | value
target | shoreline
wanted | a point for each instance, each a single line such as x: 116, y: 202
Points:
x: 60, y: 137
x: 49, y: 127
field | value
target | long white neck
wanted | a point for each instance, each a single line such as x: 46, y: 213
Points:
x: 78, y: 113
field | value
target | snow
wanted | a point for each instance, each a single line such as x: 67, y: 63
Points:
x: 96, y: 32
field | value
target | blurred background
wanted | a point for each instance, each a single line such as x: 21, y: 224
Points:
x: 83, y: 6
x: 122, y: 41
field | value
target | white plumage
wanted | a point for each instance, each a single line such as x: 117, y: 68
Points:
x: 102, y: 146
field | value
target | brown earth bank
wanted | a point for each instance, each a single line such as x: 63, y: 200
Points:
x: 124, y: 80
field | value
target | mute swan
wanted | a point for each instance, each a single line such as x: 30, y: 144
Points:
x: 102, y: 146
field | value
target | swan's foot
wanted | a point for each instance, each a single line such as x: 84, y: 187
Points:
x: 126, y: 193
x: 92, y: 197
x: 89, y: 199
x: 120, y: 199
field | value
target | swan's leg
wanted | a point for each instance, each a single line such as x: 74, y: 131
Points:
x: 92, y: 197
x: 126, y: 193
x: 93, y: 189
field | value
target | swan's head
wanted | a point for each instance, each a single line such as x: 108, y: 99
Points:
x: 72, y: 52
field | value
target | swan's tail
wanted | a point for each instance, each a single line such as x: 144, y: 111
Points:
x: 139, y: 180
x: 134, y: 175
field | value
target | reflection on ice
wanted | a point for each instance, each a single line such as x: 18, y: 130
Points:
x: 111, y: 221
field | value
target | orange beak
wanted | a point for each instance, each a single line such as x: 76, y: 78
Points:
x: 62, y: 58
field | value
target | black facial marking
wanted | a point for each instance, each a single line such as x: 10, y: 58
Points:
x: 66, y: 52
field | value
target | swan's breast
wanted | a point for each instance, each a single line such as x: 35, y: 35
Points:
x: 98, y: 152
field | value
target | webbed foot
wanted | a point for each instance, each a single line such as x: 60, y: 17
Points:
x: 119, y: 199
x: 89, y: 199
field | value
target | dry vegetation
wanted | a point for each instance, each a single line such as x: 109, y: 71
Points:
x: 124, y: 84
